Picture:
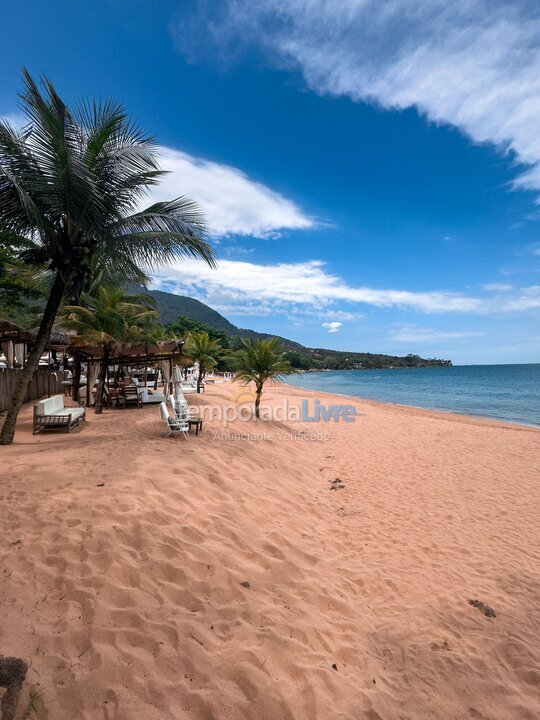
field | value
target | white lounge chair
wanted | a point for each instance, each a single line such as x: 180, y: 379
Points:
x: 174, y: 424
x: 182, y: 411
x: 180, y: 407
x: 151, y: 396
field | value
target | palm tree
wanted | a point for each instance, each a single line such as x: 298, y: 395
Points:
x: 199, y: 347
x: 70, y: 184
x: 260, y: 361
x: 107, y: 319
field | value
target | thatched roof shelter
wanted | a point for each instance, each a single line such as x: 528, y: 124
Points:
x: 59, y: 339
x: 15, y: 333
x: 132, y: 352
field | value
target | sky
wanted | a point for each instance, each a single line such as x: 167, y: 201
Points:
x: 369, y: 172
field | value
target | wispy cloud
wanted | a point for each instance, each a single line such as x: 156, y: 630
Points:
x: 233, y: 203
x: 475, y: 65
x: 527, y: 299
x: 332, y: 327
x: 308, y: 286
x: 497, y: 287
x: 412, y: 334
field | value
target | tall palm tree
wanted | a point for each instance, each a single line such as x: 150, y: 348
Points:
x: 260, y: 361
x: 71, y: 183
x: 199, y: 347
x: 107, y: 319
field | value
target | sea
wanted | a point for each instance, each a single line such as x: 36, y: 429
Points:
x: 503, y: 392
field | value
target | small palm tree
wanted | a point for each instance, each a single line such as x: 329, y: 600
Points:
x: 71, y: 184
x: 260, y: 361
x: 107, y: 319
x: 199, y: 347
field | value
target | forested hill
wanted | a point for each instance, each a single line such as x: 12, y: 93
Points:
x: 171, y: 307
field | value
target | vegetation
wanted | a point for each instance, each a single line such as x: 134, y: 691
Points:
x: 20, y: 291
x: 185, y: 325
x: 196, y: 315
x: 200, y: 348
x: 107, y: 319
x: 319, y: 359
x: 260, y: 361
x: 173, y: 307
x: 70, y: 187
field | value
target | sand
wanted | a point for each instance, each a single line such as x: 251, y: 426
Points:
x: 274, y: 577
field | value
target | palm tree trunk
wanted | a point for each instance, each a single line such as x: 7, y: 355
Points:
x: 76, y: 378
x: 101, y: 381
x: 200, y: 378
x: 258, y: 393
x: 32, y: 362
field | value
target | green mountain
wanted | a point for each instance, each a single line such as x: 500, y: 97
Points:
x: 171, y: 307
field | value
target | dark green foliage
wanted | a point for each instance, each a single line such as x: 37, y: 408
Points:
x: 171, y: 307
x: 259, y: 361
x: 183, y: 325
x: 71, y: 185
x: 20, y: 296
x: 302, y: 361
x: 195, y: 315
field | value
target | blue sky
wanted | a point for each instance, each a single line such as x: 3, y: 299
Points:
x: 370, y: 172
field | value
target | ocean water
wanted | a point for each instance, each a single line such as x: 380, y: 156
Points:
x: 503, y: 392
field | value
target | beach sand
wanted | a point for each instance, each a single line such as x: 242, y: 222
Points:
x: 274, y: 577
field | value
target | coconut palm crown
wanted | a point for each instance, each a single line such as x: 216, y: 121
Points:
x: 199, y: 347
x: 109, y: 318
x: 72, y: 183
x: 260, y: 361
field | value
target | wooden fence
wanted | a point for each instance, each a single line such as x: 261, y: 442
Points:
x: 43, y: 383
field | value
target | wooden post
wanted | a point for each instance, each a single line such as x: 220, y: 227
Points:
x: 88, y: 388
x: 76, y: 377
x: 146, y: 366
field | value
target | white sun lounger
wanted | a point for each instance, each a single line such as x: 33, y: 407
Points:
x: 174, y: 424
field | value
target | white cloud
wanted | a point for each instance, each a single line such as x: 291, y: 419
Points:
x: 497, y: 287
x: 16, y: 120
x: 472, y: 63
x: 333, y: 326
x: 249, y: 288
x: 411, y: 334
x: 528, y: 299
x: 232, y: 202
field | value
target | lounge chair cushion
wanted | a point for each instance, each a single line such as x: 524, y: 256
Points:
x: 154, y: 396
x: 50, y: 405
x: 75, y: 412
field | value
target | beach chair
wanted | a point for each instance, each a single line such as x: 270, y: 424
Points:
x: 179, y: 405
x: 182, y: 411
x: 132, y: 396
x: 52, y: 413
x: 174, y: 424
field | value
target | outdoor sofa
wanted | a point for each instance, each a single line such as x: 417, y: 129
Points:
x: 51, y: 413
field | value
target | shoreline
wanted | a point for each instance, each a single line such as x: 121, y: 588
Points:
x: 418, y: 407
x: 451, y: 413
x: 256, y: 571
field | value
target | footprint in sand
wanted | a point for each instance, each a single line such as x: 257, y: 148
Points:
x: 440, y: 646
x: 484, y: 609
